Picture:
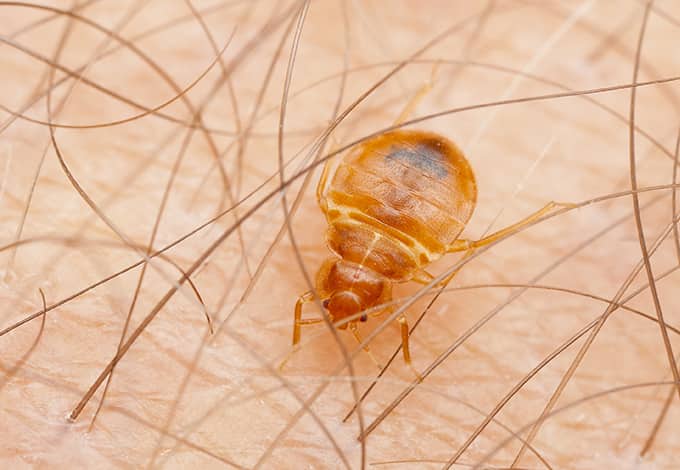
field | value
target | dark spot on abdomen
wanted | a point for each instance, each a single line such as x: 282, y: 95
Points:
x: 428, y: 156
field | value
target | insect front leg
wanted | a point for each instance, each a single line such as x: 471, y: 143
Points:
x: 298, y: 322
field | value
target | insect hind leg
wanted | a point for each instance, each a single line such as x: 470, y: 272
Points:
x: 466, y: 245
x: 405, y: 346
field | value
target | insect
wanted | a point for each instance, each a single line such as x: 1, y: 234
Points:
x: 395, y: 204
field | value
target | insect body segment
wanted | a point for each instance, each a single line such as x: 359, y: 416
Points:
x: 349, y: 288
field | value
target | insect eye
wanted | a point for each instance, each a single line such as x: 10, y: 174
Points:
x: 363, y: 317
x: 325, y: 303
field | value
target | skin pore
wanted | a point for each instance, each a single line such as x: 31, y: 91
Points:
x: 163, y: 132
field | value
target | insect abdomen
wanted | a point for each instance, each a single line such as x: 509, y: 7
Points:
x: 391, y: 204
x: 398, y: 200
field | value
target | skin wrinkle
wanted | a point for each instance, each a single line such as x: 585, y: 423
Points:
x: 169, y: 409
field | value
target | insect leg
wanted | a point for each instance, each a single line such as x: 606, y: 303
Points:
x: 323, y: 180
x: 297, y: 322
x: 321, y: 187
x: 424, y: 277
x: 465, y: 245
x: 405, y: 346
x: 310, y: 321
x: 355, y: 331
x: 379, y: 313
x: 418, y: 96
x: 303, y: 299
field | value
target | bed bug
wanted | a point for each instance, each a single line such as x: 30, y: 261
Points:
x: 395, y: 204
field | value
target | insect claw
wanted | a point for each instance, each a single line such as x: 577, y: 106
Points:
x: 285, y: 360
x: 375, y: 361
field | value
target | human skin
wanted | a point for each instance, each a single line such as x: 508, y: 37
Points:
x: 182, y: 397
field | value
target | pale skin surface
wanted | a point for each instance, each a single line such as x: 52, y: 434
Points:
x: 169, y: 406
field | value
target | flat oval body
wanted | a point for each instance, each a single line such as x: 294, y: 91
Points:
x: 398, y: 200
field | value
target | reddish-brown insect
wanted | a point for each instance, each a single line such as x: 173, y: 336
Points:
x: 395, y: 204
